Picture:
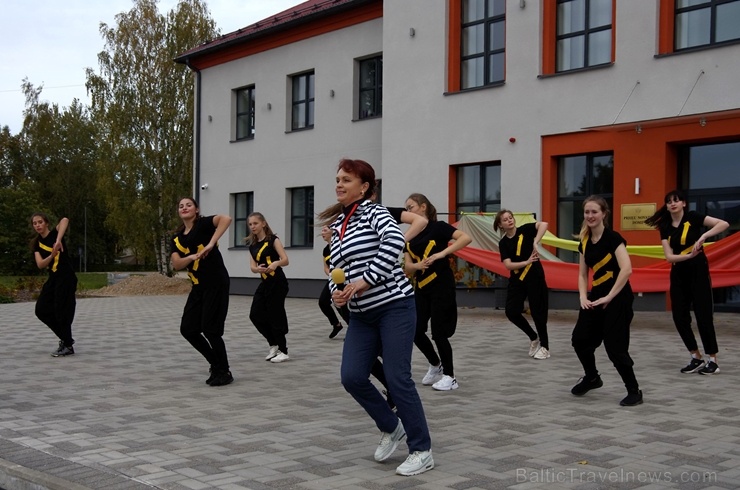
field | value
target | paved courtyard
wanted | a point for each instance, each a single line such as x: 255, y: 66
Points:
x: 131, y: 409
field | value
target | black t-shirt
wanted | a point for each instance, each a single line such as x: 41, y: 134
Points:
x: 518, y: 249
x: 432, y: 239
x: 327, y: 254
x: 601, y: 257
x: 396, y: 213
x: 60, y: 265
x: 207, y: 271
x: 683, y: 237
x: 263, y: 252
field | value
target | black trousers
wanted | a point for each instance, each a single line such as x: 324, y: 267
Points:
x: 327, y: 308
x: 203, y: 322
x: 534, y: 288
x: 610, y: 325
x: 437, y: 307
x: 268, y: 312
x: 56, y: 306
x: 691, y: 285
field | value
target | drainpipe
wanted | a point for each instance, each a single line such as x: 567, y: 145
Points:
x: 196, y: 143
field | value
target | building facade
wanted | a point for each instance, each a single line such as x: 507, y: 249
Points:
x: 480, y: 104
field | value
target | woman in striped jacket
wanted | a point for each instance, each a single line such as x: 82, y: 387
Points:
x: 366, y: 244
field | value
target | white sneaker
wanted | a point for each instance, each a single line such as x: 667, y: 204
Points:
x: 447, y: 383
x: 533, y: 347
x: 389, y: 442
x: 434, y: 374
x: 417, y: 463
x: 273, y: 352
x: 542, y: 353
x: 280, y: 357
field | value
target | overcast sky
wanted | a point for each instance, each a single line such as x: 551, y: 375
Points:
x: 51, y: 42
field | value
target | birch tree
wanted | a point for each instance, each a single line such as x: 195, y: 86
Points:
x: 143, y: 103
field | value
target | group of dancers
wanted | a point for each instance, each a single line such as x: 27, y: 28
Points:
x: 389, y: 306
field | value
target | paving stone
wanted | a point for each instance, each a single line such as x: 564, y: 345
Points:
x: 131, y: 409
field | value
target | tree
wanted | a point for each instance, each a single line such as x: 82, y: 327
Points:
x: 11, y: 167
x: 59, y: 153
x: 16, y: 207
x: 143, y: 103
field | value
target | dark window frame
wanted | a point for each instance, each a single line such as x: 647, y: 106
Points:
x: 307, y: 99
x: 238, y: 219
x: 482, y: 203
x: 472, y: 275
x: 375, y: 87
x: 249, y: 112
x: 585, y: 34
x: 577, y: 199
x: 306, y: 218
x: 710, y: 4
x: 487, y: 21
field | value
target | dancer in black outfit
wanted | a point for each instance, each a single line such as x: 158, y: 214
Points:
x: 434, y: 290
x: 518, y: 247
x: 195, y: 247
x: 56, y: 304
x: 267, y: 258
x: 606, y: 312
x: 683, y: 244
x: 325, y: 303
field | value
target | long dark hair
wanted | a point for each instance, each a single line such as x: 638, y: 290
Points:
x: 35, y: 240
x: 252, y: 238
x: 197, y: 213
x: 361, y: 169
x: 661, y: 220
x: 601, y: 202
x: 431, y: 212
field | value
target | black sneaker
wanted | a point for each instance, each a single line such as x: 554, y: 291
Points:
x: 212, y: 376
x: 337, y: 328
x: 710, y: 368
x: 222, y: 378
x: 586, y: 385
x: 63, y: 350
x: 632, y: 399
x: 694, y: 366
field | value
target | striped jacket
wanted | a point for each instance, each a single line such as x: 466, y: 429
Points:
x: 370, y: 249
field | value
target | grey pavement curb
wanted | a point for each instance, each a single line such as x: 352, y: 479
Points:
x: 16, y: 477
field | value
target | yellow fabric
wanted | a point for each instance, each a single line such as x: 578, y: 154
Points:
x: 524, y: 273
x: 56, y: 258
x: 427, y: 280
x: 603, y: 278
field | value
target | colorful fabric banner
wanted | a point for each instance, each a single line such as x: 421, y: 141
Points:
x: 723, y: 256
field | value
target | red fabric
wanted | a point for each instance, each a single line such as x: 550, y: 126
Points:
x: 723, y: 256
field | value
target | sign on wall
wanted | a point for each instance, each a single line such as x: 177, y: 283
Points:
x: 634, y: 216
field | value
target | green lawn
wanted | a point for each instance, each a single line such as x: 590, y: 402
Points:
x: 86, y: 280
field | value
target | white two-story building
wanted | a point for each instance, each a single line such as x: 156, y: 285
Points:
x: 480, y: 104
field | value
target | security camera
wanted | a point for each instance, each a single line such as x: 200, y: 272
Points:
x: 204, y: 187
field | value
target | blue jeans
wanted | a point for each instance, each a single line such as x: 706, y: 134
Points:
x: 389, y: 328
